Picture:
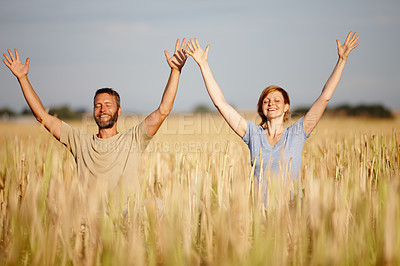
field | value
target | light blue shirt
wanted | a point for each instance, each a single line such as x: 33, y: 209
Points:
x: 287, y: 151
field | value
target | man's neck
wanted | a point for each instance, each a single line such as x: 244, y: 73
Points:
x: 106, y: 133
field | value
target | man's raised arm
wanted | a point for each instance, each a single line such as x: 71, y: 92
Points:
x: 176, y: 62
x: 51, y: 123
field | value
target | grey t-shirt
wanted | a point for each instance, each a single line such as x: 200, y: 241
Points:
x: 287, y: 152
x: 107, y: 162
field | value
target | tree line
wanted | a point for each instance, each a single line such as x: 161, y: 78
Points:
x: 362, y: 110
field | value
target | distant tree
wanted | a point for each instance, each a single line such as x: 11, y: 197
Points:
x: 373, y: 111
x: 65, y: 113
x: 202, y: 108
x: 6, y: 113
x: 26, y: 111
x: 300, y: 111
x: 368, y: 111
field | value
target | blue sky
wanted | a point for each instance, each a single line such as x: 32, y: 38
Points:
x: 77, y: 47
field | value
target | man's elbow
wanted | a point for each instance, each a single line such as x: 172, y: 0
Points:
x: 39, y: 119
x: 164, y: 112
x: 42, y: 118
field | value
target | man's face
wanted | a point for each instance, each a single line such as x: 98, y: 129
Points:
x: 105, y: 111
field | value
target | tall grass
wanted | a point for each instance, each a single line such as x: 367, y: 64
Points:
x: 198, y: 204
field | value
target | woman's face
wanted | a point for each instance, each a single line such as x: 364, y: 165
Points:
x: 274, y: 105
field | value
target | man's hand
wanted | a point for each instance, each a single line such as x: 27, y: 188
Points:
x: 349, y: 44
x: 52, y: 124
x: 14, y: 64
x: 178, y: 59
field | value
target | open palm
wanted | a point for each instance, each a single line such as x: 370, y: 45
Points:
x: 349, y: 44
x: 15, y: 65
x: 178, y: 59
x: 195, y: 51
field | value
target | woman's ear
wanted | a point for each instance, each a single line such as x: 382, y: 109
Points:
x: 286, y: 108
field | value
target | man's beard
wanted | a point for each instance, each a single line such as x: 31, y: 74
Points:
x: 107, y: 124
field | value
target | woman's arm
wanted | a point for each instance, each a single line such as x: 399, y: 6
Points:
x: 231, y: 116
x: 51, y: 123
x: 316, y: 111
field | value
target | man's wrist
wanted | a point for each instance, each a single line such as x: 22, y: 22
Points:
x: 175, y: 70
x: 23, y: 77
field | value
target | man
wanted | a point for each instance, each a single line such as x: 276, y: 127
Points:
x: 110, y: 157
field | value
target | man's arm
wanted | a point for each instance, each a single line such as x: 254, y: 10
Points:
x: 51, y: 123
x: 316, y: 111
x: 176, y: 62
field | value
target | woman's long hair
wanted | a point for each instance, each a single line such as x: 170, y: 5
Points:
x: 264, y: 94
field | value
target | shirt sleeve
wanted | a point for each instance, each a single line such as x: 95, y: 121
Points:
x: 251, y: 127
x: 140, y: 137
x: 298, y: 128
x: 70, y: 137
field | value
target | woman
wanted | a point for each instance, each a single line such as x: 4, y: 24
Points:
x: 280, y: 148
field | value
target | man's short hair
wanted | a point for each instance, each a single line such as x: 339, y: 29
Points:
x: 110, y: 92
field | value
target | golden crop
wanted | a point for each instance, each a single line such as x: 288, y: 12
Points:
x: 197, y: 203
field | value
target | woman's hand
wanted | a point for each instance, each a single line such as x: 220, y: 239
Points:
x: 350, y: 43
x: 313, y: 115
x: 194, y: 50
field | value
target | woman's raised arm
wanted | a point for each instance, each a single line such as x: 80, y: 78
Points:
x: 231, y: 116
x: 316, y: 111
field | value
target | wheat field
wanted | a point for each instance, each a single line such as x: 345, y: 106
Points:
x: 198, y: 204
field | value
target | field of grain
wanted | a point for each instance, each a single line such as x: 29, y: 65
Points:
x: 198, y: 205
